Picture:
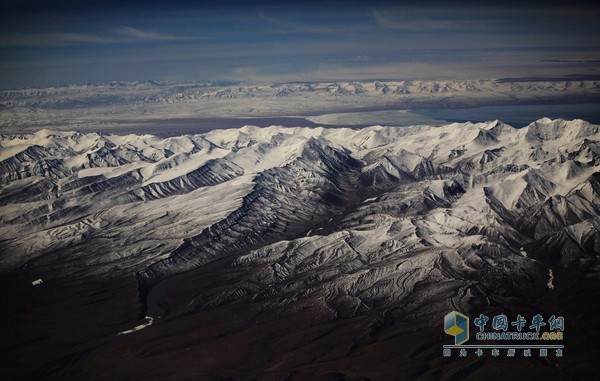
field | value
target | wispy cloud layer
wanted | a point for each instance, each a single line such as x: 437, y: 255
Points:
x: 275, y: 40
x: 412, y: 20
x: 133, y: 34
x: 286, y: 26
x: 118, y: 35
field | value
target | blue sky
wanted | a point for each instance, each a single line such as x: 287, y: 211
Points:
x: 46, y: 43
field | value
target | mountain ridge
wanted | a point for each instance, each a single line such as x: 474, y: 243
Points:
x: 380, y: 157
x: 363, y: 233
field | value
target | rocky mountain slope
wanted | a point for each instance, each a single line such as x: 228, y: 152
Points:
x: 381, y: 222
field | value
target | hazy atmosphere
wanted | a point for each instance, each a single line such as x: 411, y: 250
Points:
x: 49, y: 43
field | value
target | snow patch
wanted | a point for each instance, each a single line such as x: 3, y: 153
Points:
x: 149, y: 320
x: 550, y: 279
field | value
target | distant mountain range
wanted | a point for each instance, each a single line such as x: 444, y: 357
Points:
x: 99, y: 105
x: 173, y: 92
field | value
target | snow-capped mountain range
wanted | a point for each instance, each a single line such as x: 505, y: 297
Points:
x: 94, y: 106
x: 171, y: 246
x: 368, y: 212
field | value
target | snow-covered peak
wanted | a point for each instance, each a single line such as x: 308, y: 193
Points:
x: 546, y: 129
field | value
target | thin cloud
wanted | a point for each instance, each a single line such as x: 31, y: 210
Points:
x: 414, y: 20
x: 134, y: 34
x: 571, y: 61
x: 52, y: 39
x: 120, y: 35
x: 505, y: 19
x: 291, y: 27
